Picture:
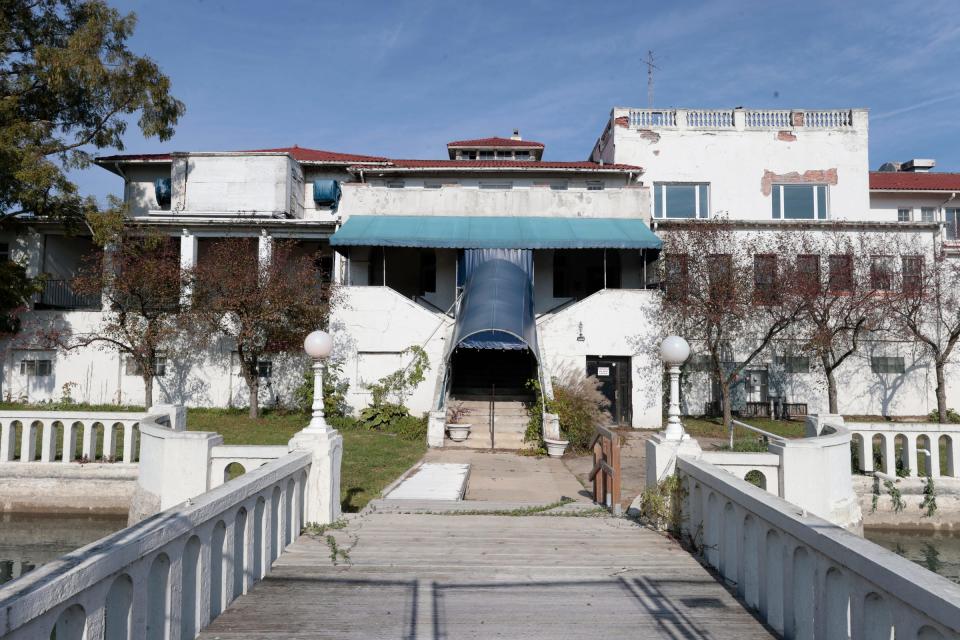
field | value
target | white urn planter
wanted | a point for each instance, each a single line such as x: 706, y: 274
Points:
x: 458, y: 432
x: 555, y: 448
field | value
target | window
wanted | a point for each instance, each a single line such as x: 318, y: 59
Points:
x: 881, y: 273
x: 432, y: 184
x: 4, y: 252
x: 912, y: 270
x: 486, y: 155
x: 428, y: 271
x: 395, y: 184
x: 700, y: 363
x: 522, y: 155
x: 903, y: 215
x: 594, y: 185
x: 496, y: 185
x: 504, y: 155
x: 886, y: 364
x: 952, y: 217
x: 800, y: 201
x: 793, y: 364
x: 36, y: 367
x: 720, y: 268
x: 841, y: 273
x: 580, y: 273
x: 133, y: 368
x: 560, y: 185
x: 680, y: 200
x: 928, y: 214
x: 467, y: 155
x: 264, y: 368
x: 808, y: 272
x: 764, y: 278
x: 676, y: 272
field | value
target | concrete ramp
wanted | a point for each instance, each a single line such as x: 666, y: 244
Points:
x: 433, y: 481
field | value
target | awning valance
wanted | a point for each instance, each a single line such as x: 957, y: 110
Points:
x: 495, y: 232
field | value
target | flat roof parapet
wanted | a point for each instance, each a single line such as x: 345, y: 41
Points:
x: 740, y: 119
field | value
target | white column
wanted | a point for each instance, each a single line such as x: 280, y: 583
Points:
x: 866, y: 452
x: 128, y: 442
x: 933, y: 458
x: 890, y: 453
x: 7, y: 441
x: 28, y: 441
x: 739, y: 119
x: 264, y: 250
x: 188, y: 260
x: 90, y: 440
x: 109, y: 441
x: 48, y: 442
x: 910, y: 456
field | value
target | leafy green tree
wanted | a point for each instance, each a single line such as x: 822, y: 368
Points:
x: 15, y: 292
x: 68, y: 86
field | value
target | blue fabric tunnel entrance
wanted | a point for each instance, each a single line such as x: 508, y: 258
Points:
x: 495, y: 336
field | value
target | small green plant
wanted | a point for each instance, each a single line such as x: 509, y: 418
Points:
x: 875, y: 497
x: 534, y: 431
x: 388, y: 394
x: 929, y: 504
x: 334, y: 390
x: 952, y: 416
x: 895, y: 496
x: 67, y: 393
x: 381, y: 417
x: 661, y: 506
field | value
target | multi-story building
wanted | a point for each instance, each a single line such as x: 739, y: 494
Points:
x: 503, y: 266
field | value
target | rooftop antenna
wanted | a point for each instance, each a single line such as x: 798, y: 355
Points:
x: 650, y: 67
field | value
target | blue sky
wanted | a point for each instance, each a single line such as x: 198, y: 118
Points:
x: 403, y: 78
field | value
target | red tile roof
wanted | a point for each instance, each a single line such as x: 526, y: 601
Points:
x: 496, y: 142
x: 407, y: 165
x: 909, y: 181
x: 300, y: 154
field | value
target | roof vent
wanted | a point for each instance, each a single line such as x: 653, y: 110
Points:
x: 890, y: 167
x: 516, y: 135
x: 918, y: 165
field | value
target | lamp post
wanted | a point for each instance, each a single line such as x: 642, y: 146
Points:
x: 674, y: 351
x: 318, y: 346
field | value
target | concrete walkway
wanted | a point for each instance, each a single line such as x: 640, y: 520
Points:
x: 487, y: 576
x: 509, y: 477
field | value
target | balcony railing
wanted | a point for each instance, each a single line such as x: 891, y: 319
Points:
x: 57, y: 294
x: 739, y: 119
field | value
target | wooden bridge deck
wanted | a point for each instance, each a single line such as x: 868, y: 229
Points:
x: 486, y: 576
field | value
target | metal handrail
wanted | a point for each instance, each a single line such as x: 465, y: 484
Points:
x: 766, y: 434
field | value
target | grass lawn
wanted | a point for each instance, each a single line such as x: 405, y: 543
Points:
x: 713, y: 428
x: 371, y: 460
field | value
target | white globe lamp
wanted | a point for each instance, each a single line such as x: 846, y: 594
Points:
x: 318, y: 346
x: 674, y: 351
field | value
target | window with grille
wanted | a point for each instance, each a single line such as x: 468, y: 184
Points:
x: 264, y: 368
x: 674, y: 200
x: 133, y: 368
x: 36, y: 367
x: 903, y: 215
x: 841, y: 273
x: 881, y: 273
x: 912, y: 274
x: 887, y: 364
x: 928, y: 214
x: 765, y: 278
x: 800, y: 201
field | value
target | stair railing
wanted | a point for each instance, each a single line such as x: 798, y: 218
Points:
x: 605, y: 474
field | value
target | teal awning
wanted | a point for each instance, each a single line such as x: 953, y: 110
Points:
x: 495, y: 232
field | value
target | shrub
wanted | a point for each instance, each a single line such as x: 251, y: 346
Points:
x: 380, y: 417
x: 580, y: 405
x: 334, y: 390
x: 952, y: 416
x: 410, y: 427
x: 534, y: 431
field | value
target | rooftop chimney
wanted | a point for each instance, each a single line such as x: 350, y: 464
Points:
x: 918, y: 165
x: 516, y: 135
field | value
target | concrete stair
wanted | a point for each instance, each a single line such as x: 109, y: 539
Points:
x: 510, y: 423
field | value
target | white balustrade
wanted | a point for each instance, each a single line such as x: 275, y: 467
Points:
x: 805, y: 577
x: 910, y: 443
x: 768, y: 119
x: 60, y: 432
x: 830, y: 119
x: 649, y: 118
x: 720, y: 119
x: 170, y: 575
x: 709, y: 119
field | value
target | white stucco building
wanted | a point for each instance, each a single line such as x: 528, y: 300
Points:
x: 575, y: 245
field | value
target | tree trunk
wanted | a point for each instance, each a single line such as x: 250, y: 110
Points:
x: 941, y: 392
x: 147, y: 391
x: 727, y: 407
x: 831, y: 385
x: 253, y: 385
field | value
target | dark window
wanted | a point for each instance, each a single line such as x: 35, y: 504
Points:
x: 395, y: 184
x: 36, y: 367
x: 912, y: 273
x: 808, y: 272
x: 676, y: 276
x: 4, y: 252
x: 133, y: 367
x: 720, y: 269
x: 579, y: 273
x: 486, y: 155
x: 680, y: 200
x: 765, y: 278
x: 522, y: 155
x: 375, y: 269
x: 496, y: 185
x: 560, y: 185
x: 428, y: 271
x: 594, y: 185
x: 264, y: 368
x: 886, y: 364
x: 432, y: 184
x: 841, y: 273
x: 800, y: 201
x: 881, y: 273
x: 793, y: 364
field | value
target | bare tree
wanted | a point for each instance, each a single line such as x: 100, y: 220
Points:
x: 724, y: 290
x: 260, y: 308
x: 139, y: 279
x: 926, y: 305
x: 837, y: 281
